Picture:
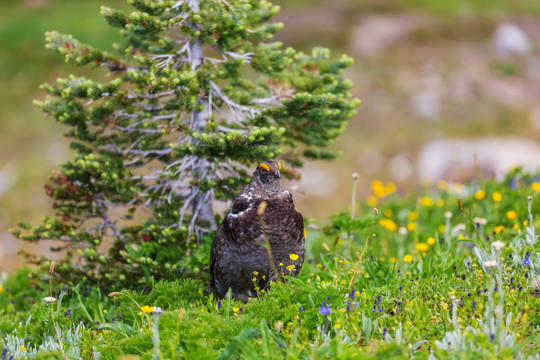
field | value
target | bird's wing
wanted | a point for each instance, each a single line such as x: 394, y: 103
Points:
x: 240, y: 227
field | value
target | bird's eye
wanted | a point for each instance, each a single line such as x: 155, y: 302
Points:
x: 264, y: 168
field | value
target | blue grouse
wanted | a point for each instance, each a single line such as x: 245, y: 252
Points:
x: 238, y: 253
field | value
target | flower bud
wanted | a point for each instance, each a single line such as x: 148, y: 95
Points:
x: 262, y: 208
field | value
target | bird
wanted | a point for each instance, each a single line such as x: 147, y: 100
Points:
x: 239, y: 259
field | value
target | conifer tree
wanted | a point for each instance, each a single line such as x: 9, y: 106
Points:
x: 197, y: 94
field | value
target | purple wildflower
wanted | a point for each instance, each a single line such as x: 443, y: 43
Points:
x: 325, y: 309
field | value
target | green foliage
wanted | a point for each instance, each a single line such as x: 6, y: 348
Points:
x: 415, y: 289
x: 196, y: 95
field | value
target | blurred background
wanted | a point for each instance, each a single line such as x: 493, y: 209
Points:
x: 447, y: 87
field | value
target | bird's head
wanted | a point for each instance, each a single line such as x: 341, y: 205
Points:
x: 267, y: 175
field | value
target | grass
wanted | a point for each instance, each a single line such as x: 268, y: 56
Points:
x: 424, y: 287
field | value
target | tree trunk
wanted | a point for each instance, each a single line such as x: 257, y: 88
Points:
x: 201, y: 209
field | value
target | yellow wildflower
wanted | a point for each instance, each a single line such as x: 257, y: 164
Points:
x: 392, y: 260
x: 388, y: 224
x: 22, y: 348
x: 515, y: 227
x: 413, y: 215
x: 411, y: 226
x: 441, y: 228
x: 426, y: 201
x: 479, y: 194
x: 378, y: 188
x: 408, y: 258
x: 389, y: 188
x: 422, y: 246
x: 372, y: 200
x: 441, y: 184
x: 496, y: 196
x: 291, y: 268
x: 387, y: 212
x: 499, y: 228
x: 147, y: 309
x: 235, y: 309
x: 305, y: 233
x: 1, y: 289
x: 431, y: 240
x: 293, y: 257
x: 440, y: 203
x: 511, y: 214
x: 535, y: 186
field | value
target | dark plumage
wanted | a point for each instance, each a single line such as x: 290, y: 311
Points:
x: 238, y: 248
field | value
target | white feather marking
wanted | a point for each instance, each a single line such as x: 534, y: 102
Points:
x: 234, y: 216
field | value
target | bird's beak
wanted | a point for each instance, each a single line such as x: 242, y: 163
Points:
x: 278, y: 175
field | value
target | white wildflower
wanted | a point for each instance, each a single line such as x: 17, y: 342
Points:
x: 498, y: 245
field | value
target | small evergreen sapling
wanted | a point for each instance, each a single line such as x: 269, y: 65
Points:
x: 196, y: 95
